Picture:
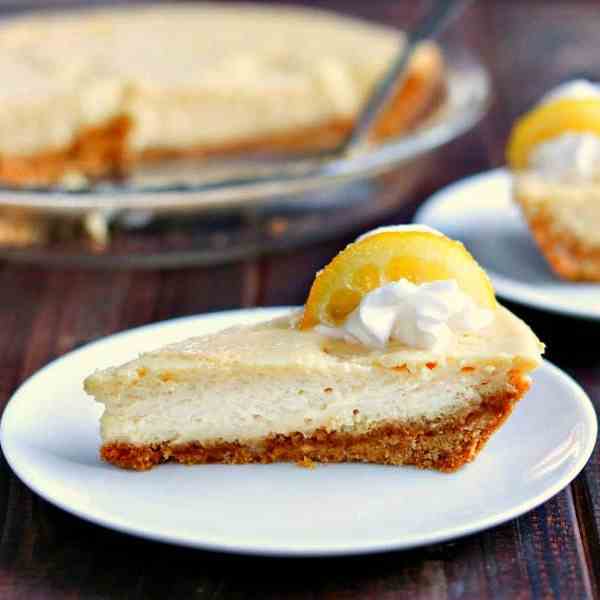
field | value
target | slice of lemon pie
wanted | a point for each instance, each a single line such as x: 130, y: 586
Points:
x: 554, y: 152
x: 401, y: 355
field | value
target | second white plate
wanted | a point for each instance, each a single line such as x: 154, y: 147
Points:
x: 479, y: 211
x: 50, y: 437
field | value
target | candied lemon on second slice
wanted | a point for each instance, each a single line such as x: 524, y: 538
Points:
x: 418, y: 256
x: 548, y: 121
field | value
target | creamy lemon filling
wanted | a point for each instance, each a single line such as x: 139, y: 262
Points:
x: 244, y: 405
x: 571, y: 208
x: 247, y: 382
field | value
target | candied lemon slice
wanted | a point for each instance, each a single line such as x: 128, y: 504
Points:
x: 548, y: 121
x: 418, y: 256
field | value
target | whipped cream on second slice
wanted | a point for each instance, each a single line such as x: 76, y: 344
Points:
x: 423, y: 316
x: 573, y: 155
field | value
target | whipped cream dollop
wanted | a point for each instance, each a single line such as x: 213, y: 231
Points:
x: 424, y: 316
x: 573, y: 155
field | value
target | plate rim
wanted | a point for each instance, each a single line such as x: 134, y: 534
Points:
x: 503, y: 285
x: 10, y: 452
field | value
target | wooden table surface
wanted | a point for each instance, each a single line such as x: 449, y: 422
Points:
x: 551, y: 552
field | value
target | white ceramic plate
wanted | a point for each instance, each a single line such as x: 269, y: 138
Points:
x: 50, y: 438
x: 479, y: 211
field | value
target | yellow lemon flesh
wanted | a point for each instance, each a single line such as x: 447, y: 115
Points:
x: 548, y: 121
x: 381, y: 258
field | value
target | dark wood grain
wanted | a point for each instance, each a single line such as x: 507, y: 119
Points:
x: 551, y: 552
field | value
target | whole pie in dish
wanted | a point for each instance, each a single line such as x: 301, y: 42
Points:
x: 401, y: 355
x: 554, y: 153
x: 91, y: 93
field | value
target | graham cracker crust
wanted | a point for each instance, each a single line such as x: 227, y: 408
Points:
x: 444, y: 444
x: 568, y: 256
x: 97, y: 152
x: 103, y: 151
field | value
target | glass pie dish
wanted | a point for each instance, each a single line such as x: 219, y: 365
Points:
x: 192, y: 212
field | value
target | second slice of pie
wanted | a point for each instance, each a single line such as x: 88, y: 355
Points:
x: 554, y: 153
